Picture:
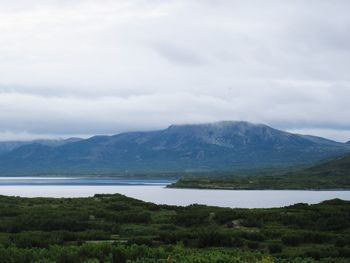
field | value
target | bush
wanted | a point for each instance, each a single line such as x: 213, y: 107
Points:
x: 253, y: 245
x: 275, y: 248
x: 252, y: 222
x: 342, y: 241
x: 291, y: 240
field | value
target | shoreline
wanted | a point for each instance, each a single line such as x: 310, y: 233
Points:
x: 257, y: 189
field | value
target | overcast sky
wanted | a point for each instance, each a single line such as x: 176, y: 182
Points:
x: 84, y: 67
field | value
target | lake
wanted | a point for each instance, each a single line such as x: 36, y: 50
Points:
x: 154, y: 190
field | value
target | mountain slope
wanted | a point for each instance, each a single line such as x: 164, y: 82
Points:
x: 7, y: 146
x: 333, y: 174
x: 215, y: 146
x: 336, y: 167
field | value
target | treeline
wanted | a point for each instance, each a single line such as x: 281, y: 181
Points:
x: 302, y: 181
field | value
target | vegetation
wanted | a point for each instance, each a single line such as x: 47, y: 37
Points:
x: 334, y: 174
x: 257, y: 182
x: 114, y: 228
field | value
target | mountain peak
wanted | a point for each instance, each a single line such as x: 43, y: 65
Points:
x: 224, y: 123
x: 225, y: 133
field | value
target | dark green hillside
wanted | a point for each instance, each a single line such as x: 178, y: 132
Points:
x: 204, y: 147
x: 333, y: 174
x: 114, y: 228
x: 339, y: 166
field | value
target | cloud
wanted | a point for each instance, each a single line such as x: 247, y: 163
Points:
x: 179, y: 55
x: 86, y: 67
x: 26, y: 136
x: 340, y: 135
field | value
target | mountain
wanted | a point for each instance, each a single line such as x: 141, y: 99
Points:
x: 214, y: 146
x: 348, y: 142
x: 7, y: 146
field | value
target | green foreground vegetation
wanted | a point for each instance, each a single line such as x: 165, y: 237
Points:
x: 115, y: 228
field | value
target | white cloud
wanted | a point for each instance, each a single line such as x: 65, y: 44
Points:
x: 339, y: 135
x: 86, y: 67
x: 26, y: 136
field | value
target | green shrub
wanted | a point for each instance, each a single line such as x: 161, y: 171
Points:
x: 291, y: 240
x: 274, y: 248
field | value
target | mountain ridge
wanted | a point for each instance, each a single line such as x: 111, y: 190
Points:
x: 7, y: 146
x: 211, y: 146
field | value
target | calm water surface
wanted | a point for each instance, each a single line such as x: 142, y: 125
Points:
x: 153, y: 190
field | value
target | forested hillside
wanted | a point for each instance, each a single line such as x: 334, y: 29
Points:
x: 331, y: 174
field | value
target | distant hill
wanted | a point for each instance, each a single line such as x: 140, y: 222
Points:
x: 333, y: 174
x: 7, y: 146
x: 337, y: 167
x: 203, y: 147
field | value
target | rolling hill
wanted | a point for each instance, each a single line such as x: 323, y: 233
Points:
x: 337, y: 167
x: 203, y: 147
x: 331, y: 174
